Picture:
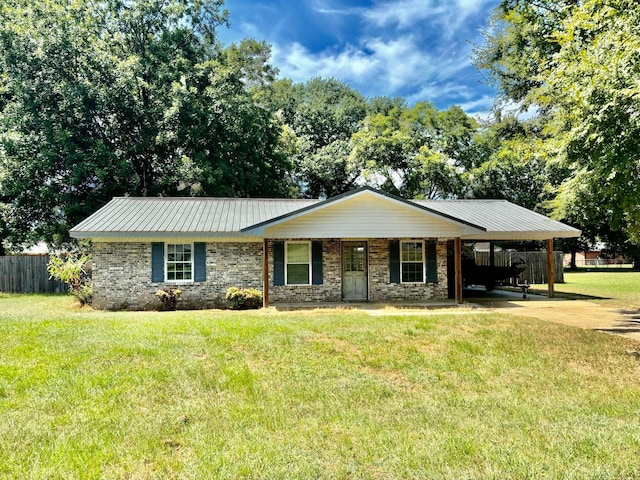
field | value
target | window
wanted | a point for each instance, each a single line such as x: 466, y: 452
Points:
x: 298, y: 263
x: 412, y: 262
x: 179, y: 262
x: 353, y: 257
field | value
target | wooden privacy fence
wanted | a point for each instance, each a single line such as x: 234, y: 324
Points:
x: 27, y: 274
x: 536, y: 262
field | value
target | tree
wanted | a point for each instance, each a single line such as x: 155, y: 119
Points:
x: 578, y: 62
x: 126, y: 98
x: 595, y: 89
x: 518, y: 44
x: 515, y: 165
x: 328, y: 110
x: 222, y: 142
x: 252, y: 59
x: 71, y: 269
x: 384, y: 105
x: 322, y: 115
x: 329, y: 170
x: 415, y: 152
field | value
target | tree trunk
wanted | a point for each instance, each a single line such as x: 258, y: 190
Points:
x: 3, y: 252
x: 572, y: 265
x: 636, y: 263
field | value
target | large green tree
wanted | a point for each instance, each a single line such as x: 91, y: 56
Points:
x: 511, y: 162
x: 594, y: 88
x: 415, y: 152
x: 578, y: 63
x: 126, y: 97
x: 322, y: 114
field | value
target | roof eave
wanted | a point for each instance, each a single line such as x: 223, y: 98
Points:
x: 522, y: 235
x: 166, y: 234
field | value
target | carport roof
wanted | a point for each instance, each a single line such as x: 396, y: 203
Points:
x: 502, y: 220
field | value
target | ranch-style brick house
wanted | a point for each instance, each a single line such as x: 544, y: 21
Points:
x: 364, y: 245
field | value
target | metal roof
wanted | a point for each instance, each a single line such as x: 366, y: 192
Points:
x: 206, y: 215
x: 135, y: 216
x: 502, y: 220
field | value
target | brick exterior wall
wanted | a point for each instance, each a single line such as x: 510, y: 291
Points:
x: 329, y: 291
x: 380, y: 288
x: 122, y: 276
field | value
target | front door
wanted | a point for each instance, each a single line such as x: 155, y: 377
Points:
x: 354, y: 270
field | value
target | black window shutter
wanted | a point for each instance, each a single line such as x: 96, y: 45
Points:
x: 316, y: 263
x: 278, y: 263
x: 157, y: 262
x: 432, y: 262
x: 199, y: 261
x: 394, y: 261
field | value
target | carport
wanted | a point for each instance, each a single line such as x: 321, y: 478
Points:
x: 502, y: 221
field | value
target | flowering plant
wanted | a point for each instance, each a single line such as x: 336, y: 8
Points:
x: 169, y: 297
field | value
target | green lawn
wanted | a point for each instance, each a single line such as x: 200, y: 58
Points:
x: 321, y: 394
x: 615, y: 286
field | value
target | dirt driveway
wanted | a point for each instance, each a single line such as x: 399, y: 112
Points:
x: 576, y: 313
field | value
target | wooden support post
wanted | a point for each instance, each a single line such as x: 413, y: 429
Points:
x: 458, y: 269
x: 265, y: 275
x: 492, y: 253
x: 550, y: 268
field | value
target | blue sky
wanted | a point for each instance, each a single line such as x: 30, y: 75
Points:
x: 416, y: 49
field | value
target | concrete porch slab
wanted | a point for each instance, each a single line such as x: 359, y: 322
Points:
x: 366, y: 306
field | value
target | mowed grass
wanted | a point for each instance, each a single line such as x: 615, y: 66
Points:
x: 612, y: 286
x: 316, y: 394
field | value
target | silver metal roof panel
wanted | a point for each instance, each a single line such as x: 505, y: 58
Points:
x: 131, y: 215
x: 503, y: 220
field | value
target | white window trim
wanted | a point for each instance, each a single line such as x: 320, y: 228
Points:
x: 166, y: 263
x: 424, y: 262
x: 286, y: 263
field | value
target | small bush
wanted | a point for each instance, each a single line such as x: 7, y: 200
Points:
x: 243, y: 298
x: 169, y: 297
x: 70, y: 269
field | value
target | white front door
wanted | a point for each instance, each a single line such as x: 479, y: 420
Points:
x: 354, y: 270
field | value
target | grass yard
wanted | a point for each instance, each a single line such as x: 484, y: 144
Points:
x: 610, y: 286
x: 320, y: 394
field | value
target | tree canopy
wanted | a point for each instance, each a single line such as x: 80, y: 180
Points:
x: 126, y: 98
x: 416, y: 152
x: 321, y: 115
x: 577, y: 62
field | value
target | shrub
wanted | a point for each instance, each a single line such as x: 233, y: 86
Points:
x: 243, y: 298
x: 169, y: 297
x: 71, y: 270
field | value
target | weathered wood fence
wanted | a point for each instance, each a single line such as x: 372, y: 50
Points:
x: 27, y: 274
x: 536, y: 262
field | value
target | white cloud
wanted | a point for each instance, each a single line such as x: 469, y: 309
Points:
x: 432, y: 91
x: 389, y: 66
x: 410, y: 13
x: 482, y: 104
x: 299, y: 64
x: 325, y: 7
x: 404, y: 13
x: 401, y: 61
x: 415, y: 49
x: 510, y: 107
